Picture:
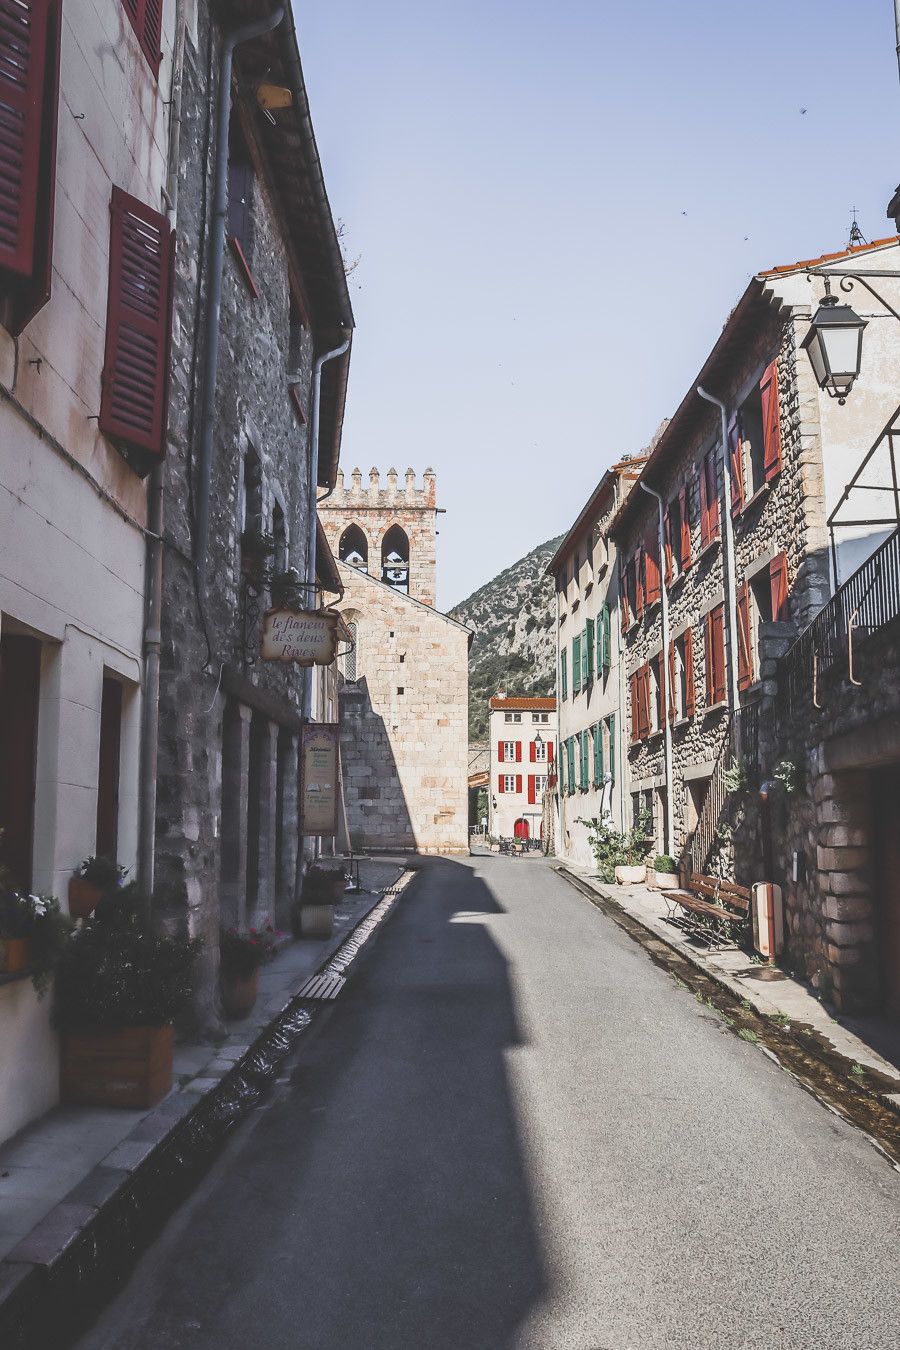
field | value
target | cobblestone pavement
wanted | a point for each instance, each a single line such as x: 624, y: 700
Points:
x: 514, y: 1132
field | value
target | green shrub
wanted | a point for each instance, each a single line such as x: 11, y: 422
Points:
x: 663, y: 862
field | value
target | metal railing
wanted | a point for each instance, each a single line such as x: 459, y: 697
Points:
x: 866, y: 602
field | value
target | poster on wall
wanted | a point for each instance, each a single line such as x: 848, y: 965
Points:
x: 319, y: 784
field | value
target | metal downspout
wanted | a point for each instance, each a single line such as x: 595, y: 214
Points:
x: 731, y: 579
x: 667, y: 692
x: 149, y: 755
x: 214, y: 299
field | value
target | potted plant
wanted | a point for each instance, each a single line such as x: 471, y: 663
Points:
x: 313, y: 915
x: 287, y: 590
x: 663, y: 873
x: 90, y: 882
x: 633, y: 868
x: 240, y: 957
x: 119, y: 987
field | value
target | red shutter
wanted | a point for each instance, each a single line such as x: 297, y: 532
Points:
x: 638, y: 583
x: 500, y: 782
x: 146, y: 20
x: 23, y: 63
x: 705, y: 535
x: 500, y: 751
x: 635, y: 715
x: 661, y: 710
x: 518, y: 752
x: 667, y: 539
x: 623, y: 599
x: 708, y: 659
x: 718, y: 653
x: 531, y: 792
x: 549, y: 752
x: 651, y: 566
x: 672, y: 699
x: 138, y: 322
x: 685, y: 528
x: 736, y: 465
x: 690, y: 700
x: 771, y: 417
x: 778, y: 581
x: 532, y: 752
x: 518, y: 782
x: 712, y: 494
x: 745, y: 649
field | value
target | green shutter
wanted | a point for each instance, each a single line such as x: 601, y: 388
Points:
x: 589, y: 650
x: 570, y: 765
x: 598, y: 754
x: 605, y: 639
x: 563, y: 671
x: 576, y: 664
x: 585, y: 777
x: 611, y: 723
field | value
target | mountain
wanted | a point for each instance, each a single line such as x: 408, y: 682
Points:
x: 513, y: 618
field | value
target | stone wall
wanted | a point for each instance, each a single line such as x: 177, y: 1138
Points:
x: 404, y: 743
x: 374, y: 509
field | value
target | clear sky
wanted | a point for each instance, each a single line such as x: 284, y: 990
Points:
x: 556, y: 205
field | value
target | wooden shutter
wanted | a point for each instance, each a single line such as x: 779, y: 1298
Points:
x: 708, y: 659
x: 138, y: 322
x: 549, y: 752
x: 531, y: 793
x: 500, y: 751
x: 685, y: 528
x: 712, y: 494
x: 672, y: 699
x: 518, y: 782
x: 690, y: 693
x: 518, y: 752
x: 736, y: 465
x: 745, y: 648
x: 623, y: 598
x: 588, y: 650
x: 611, y: 723
x: 661, y: 709
x: 651, y: 566
x: 583, y: 765
x: 606, y: 627
x: 639, y: 583
x: 635, y: 715
x: 23, y: 65
x: 564, y: 672
x: 146, y: 20
x: 500, y: 782
x: 667, y: 542
x: 532, y: 752
x: 705, y: 535
x: 576, y: 664
x: 570, y: 764
x: 771, y: 417
x: 778, y: 581
x: 717, y: 617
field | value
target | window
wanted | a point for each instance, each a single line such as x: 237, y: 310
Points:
x: 642, y: 810
x: 611, y: 744
x: 655, y: 708
x: 570, y: 765
x: 395, y: 559
x: 761, y: 599
x: 252, y: 497
x: 512, y: 717
x: 145, y: 17
x: 509, y: 751
x: 651, y: 567
x: 587, y: 653
x: 20, y: 673
x: 540, y: 784
x: 279, y: 534
x: 714, y: 633
x: 583, y: 758
x: 681, y: 675
x: 709, y: 499
x: 134, y: 386
x: 538, y: 753
x: 771, y: 421
x: 598, y: 755
x: 540, y: 717
x: 507, y: 782
x: 577, y: 671
x: 674, y: 523
x: 29, y: 95
x: 107, y: 837
x: 640, y: 704
x: 630, y: 592
x: 353, y: 549
x: 240, y: 198
x: 351, y: 656
x: 604, y: 642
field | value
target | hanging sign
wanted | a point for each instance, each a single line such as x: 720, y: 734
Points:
x: 308, y: 637
x: 319, y: 777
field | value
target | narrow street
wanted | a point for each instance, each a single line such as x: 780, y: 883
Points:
x: 513, y: 1130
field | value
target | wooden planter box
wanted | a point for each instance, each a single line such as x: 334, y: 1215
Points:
x: 316, y: 921
x: 83, y: 897
x: 13, y: 955
x: 130, y: 1067
x: 239, y: 993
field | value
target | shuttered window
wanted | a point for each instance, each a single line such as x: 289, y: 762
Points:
x: 745, y: 641
x: 639, y: 583
x: 736, y: 465
x: 564, y: 673
x: 611, y: 725
x: 138, y: 321
x: 651, y: 567
x: 583, y: 756
x: 576, y: 664
x: 598, y: 755
x: 778, y: 580
x: 570, y: 765
x: 685, y: 528
x: 29, y: 93
x: 771, y: 416
x: 146, y: 20
x: 715, y: 656
x: 690, y: 695
x: 587, y: 652
x: 604, y: 641
x: 709, y: 500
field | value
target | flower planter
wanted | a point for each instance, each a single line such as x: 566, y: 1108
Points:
x: 13, y: 955
x: 316, y: 921
x: 665, y: 881
x: 239, y: 993
x: 84, y: 897
x: 631, y: 875
x: 128, y: 1067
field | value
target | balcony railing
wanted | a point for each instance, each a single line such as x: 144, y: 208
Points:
x: 866, y: 602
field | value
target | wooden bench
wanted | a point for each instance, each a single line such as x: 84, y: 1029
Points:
x: 713, y: 908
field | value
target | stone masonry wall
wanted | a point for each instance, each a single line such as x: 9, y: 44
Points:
x: 374, y: 509
x: 404, y: 742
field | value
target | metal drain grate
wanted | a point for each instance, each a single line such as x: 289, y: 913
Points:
x: 330, y: 980
x: 323, y: 986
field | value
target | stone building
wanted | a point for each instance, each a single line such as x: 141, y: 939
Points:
x: 522, y: 746
x: 84, y: 215
x: 227, y: 828
x: 591, y: 784
x: 740, y: 553
x: 404, y: 693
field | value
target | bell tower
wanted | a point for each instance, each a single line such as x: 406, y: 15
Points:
x: 386, y: 531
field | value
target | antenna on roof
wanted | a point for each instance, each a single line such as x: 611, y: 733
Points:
x: 856, y: 234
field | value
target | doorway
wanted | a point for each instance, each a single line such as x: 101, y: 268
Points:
x: 886, y: 858
x: 522, y: 829
x: 20, y: 675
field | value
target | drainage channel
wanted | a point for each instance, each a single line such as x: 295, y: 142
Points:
x: 851, y: 1091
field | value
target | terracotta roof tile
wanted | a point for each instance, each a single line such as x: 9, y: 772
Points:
x: 828, y: 257
x: 525, y: 704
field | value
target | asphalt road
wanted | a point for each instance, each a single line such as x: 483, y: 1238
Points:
x: 516, y: 1133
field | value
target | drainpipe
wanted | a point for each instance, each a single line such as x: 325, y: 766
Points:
x: 214, y: 302
x: 667, y: 692
x: 558, y: 748
x: 897, y: 28
x: 312, y: 518
x: 146, y: 849
x: 729, y: 567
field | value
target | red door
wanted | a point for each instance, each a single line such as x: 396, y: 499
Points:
x: 521, y: 829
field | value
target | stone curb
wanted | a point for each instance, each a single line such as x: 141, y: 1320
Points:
x: 725, y: 981
x: 60, y: 1273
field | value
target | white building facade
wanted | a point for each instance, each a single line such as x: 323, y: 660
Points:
x: 522, y: 735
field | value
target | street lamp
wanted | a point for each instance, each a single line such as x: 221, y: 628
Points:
x: 538, y: 743
x: 834, y: 345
